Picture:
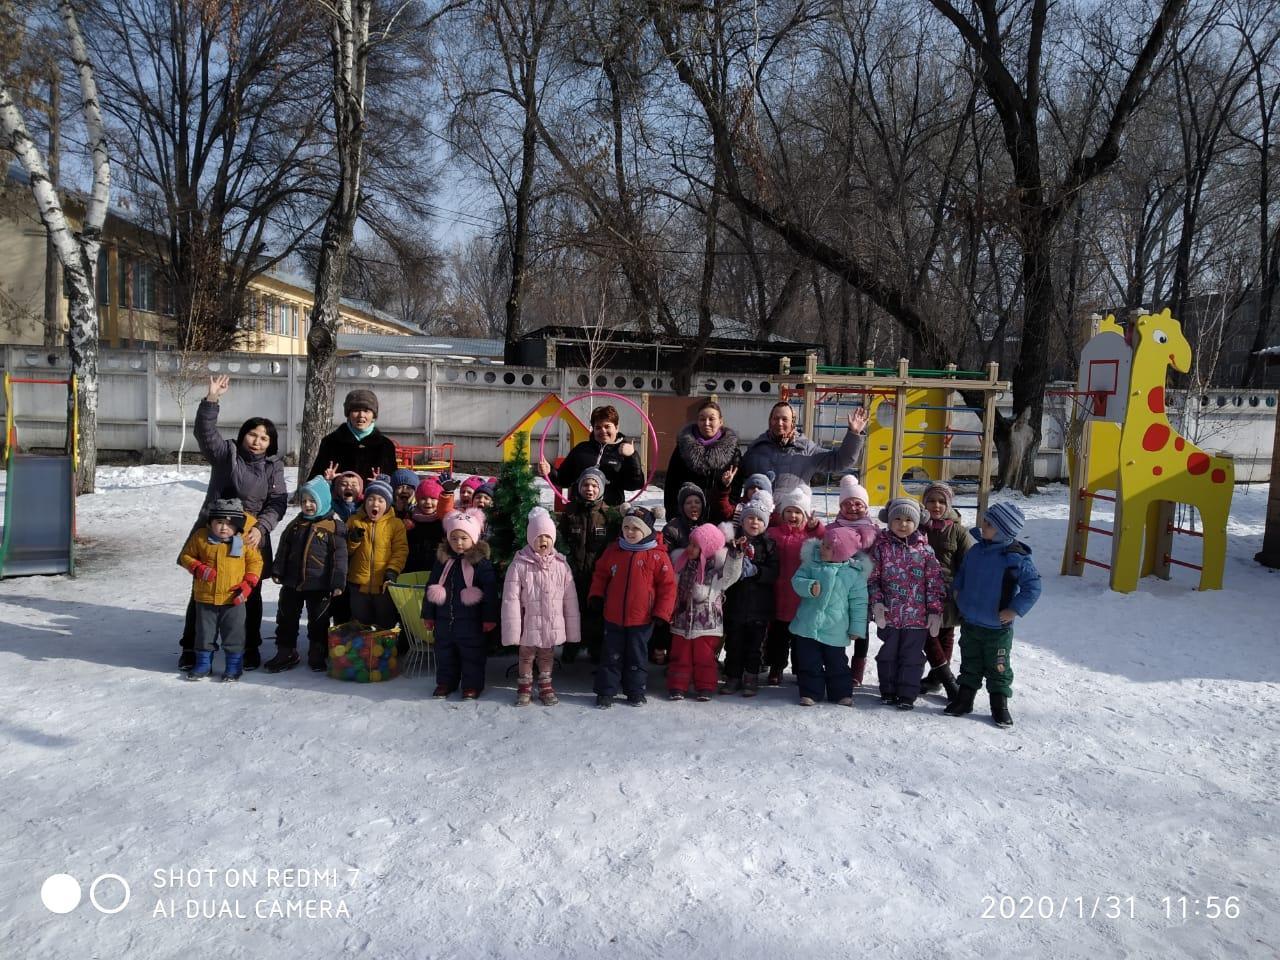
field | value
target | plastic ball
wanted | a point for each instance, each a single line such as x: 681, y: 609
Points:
x: 337, y: 651
x: 350, y: 673
x: 375, y: 675
x: 377, y: 649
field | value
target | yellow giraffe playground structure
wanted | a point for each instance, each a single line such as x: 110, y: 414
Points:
x: 911, y: 419
x: 1126, y: 445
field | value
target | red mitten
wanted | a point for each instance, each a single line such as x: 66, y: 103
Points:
x: 429, y: 624
x: 202, y: 571
x: 240, y: 592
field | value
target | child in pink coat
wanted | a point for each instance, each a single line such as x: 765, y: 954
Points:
x: 539, y: 607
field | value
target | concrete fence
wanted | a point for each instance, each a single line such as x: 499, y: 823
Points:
x: 426, y: 401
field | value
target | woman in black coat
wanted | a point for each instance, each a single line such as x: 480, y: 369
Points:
x: 706, y: 454
x: 607, y: 449
x: 249, y: 468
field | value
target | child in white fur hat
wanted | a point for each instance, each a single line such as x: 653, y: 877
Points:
x: 539, y: 607
x: 461, y: 605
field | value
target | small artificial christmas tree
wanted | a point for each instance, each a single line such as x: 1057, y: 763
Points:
x: 516, y: 495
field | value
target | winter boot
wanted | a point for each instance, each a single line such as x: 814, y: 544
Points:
x: 675, y: 694
x: 856, y: 669
x: 905, y: 704
x: 251, y: 658
x: 731, y: 686
x: 234, y: 669
x: 775, y: 676
x: 704, y: 696
x: 807, y: 702
x: 1000, y: 710
x: 286, y: 658
x: 524, y: 692
x: 948, y: 681
x: 962, y: 702
x: 750, y: 685
x: 932, y: 681
x: 637, y: 700
x: 202, y: 666
x: 186, y: 660
x: 440, y: 692
x: 603, y: 701
x: 547, y: 693
x: 470, y: 694
x: 889, y: 699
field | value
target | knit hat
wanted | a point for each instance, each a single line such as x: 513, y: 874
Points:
x: 759, y: 481
x: 318, y: 490
x: 592, y: 473
x: 691, y: 490
x: 709, y: 539
x: 472, y: 483
x: 489, y: 488
x: 380, y: 488
x: 843, y: 542
x: 851, y: 489
x: 472, y: 521
x: 942, y: 490
x: 540, y: 523
x: 360, y: 399
x: 642, y: 515
x: 798, y: 496
x: 1007, y: 519
x: 761, y: 505
x: 347, y: 476
x: 229, y: 508
x: 404, y: 478
x: 901, y: 507
x: 428, y: 489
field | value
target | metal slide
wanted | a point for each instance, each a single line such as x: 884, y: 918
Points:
x: 38, y: 536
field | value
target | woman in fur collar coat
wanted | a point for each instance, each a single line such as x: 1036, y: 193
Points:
x: 706, y: 454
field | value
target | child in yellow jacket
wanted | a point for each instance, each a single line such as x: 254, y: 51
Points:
x: 377, y: 549
x: 226, y: 569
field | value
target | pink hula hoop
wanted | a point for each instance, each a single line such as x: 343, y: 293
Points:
x: 653, y: 438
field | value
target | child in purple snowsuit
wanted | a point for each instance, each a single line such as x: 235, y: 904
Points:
x: 907, y: 592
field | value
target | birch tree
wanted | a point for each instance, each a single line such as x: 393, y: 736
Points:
x: 77, y: 251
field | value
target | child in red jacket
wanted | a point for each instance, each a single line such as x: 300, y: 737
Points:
x: 634, y: 586
x: 796, y: 525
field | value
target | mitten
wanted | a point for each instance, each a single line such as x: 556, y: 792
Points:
x: 429, y: 624
x: 877, y: 614
x: 388, y: 578
x: 240, y: 592
x: 202, y: 571
x: 934, y: 623
x: 450, y: 485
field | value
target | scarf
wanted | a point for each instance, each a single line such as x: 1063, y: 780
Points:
x: 646, y: 544
x: 235, y: 544
x: 710, y: 441
x: 362, y: 434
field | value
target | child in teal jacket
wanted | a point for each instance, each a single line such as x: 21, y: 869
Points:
x: 832, y: 586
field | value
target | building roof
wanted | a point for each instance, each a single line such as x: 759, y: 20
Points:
x: 450, y: 348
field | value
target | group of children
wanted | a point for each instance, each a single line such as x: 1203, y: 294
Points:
x: 773, y: 586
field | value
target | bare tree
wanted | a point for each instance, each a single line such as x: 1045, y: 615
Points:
x: 78, y: 252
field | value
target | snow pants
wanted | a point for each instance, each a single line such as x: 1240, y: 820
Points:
x: 545, y: 658
x: 252, y: 605
x: 777, y: 646
x: 743, y: 648
x: 986, y: 652
x: 624, y: 661
x: 693, y: 658
x: 900, y: 661
x: 460, y: 658
x: 216, y: 624
x: 373, y: 609
x: 289, y: 614
x: 822, y: 669
x: 940, y: 648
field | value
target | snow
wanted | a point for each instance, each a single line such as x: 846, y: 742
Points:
x: 1142, y: 765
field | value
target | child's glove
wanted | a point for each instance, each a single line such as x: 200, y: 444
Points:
x: 448, y: 484
x: 489, y: 625
x: 240, y: 592
x: 934, y: 624
x: 429, y: 624
x: 356, y: 535
x: 877, y: 614
x: 202, y: 571
x: 388, y: 578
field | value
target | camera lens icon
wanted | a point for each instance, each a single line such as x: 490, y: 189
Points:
x: 61, y: 893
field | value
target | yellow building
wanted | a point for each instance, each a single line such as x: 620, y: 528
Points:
x: 131, y: 296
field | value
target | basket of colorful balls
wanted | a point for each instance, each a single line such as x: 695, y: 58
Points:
x: 363, y: 654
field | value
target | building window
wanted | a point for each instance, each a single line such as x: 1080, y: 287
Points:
x: 102, y: 280
x: 293, y: 320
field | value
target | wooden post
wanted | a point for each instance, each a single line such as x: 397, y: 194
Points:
x: 1269, y: 555
x: 988, y: 441
x: 899, y: 425
x: 810, y: 394
x: 644, y: 436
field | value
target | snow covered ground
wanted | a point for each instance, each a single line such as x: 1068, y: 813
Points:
x: 1143, y: 766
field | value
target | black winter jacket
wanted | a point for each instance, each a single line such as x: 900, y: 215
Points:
x: 312, y: 555
x: 620, y: 473
x: 340, y: 446
x: 750, y: 600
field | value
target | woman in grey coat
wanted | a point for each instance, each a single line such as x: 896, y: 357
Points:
x: 249, y: 468
x: 791, y: 458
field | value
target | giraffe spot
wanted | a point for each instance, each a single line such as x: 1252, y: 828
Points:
x: 1219, y: 476
x: 1155, y: 400
x: 1197, y: 464
x: 1156, y: 437
x: 1179, y: 443
x: 1157, y: 470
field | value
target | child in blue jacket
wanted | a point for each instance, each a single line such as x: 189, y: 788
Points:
x: 996, y: 582
x: 832, y: 586
x: 461, y: 605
